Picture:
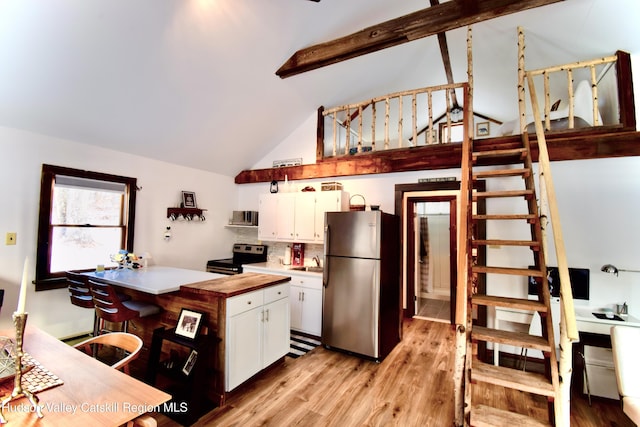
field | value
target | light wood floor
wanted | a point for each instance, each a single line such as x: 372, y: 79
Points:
x: 413, y: 386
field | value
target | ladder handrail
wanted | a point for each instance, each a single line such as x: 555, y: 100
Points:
x: 566, y: 296
x: 464, y: 223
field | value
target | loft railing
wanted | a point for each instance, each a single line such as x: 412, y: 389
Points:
x: 398, y: 120
x: 582, y: 94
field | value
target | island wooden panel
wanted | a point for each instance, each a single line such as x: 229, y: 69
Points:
x: 208, y: 297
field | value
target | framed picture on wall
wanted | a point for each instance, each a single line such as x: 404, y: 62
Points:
x: 189, y: 199
x: 483, y: 129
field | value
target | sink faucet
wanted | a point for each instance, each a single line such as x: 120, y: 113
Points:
x: 317, y: 260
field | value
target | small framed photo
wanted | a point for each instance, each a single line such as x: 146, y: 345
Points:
x: 189, y: 199
x: 191, y: 361
x: 189, y: 323
x: 483, y: 129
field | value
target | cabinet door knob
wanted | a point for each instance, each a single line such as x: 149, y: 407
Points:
x: 249, y: 302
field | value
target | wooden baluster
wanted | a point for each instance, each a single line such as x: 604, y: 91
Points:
x: 373, y: 125
x: 571, y: 107
x: 386, y: 123
x: 594, y: 95
x: 414, y: 119
x: 347, y: 127
x: 400, y: 121
x: 360, y: 128
x: 547, y: 102
x: 335, y: 134
x: 430, y: 112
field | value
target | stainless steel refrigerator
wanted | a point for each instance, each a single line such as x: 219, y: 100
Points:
x: 361, y: 283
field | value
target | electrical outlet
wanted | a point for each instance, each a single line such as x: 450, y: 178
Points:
x: 11, y: 238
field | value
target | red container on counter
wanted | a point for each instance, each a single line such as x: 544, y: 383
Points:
x: 297, y: 254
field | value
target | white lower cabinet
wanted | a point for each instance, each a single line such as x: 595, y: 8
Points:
x: 306, y: 304
x: 257, y: 332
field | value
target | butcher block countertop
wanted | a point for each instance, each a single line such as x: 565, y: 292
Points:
x: 229, y: 286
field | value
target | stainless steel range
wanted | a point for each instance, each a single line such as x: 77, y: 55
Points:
x: 242, y: 254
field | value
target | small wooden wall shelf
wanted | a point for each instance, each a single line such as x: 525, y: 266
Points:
x: 188, y: 214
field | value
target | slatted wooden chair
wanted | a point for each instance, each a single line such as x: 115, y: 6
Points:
x: 131, y: 345
x: 109, y: 308
x: 80, y: 295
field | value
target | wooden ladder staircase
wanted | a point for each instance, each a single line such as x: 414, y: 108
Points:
x: 511, y: 164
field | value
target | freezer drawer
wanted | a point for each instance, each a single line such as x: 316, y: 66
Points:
x: 351, y: 301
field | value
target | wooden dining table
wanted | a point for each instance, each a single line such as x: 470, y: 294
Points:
x: 91, y: 393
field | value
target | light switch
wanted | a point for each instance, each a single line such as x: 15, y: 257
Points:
x: 11, y: 238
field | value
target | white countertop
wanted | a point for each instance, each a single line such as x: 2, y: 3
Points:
x: 155, y: 279
x: 278, y: 268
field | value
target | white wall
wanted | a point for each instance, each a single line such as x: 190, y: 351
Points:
x: 599, y: 202
x: 191, y: 245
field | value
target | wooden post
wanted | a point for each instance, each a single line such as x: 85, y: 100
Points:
x: 458, y: 376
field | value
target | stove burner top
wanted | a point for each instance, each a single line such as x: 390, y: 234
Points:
x: 242, y: 254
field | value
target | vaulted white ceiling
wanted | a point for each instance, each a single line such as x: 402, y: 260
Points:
x: 193, y: 82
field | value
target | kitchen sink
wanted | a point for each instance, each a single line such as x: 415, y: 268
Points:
x: 310, y: 269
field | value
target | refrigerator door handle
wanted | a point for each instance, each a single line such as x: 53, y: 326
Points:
x: 325, y: 274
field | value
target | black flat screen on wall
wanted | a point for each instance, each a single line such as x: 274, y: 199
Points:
x: 579, y: 282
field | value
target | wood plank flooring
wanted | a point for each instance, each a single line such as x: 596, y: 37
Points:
x: 413, y: 386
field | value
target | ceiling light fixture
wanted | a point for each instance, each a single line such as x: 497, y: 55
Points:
x: 608, y: 268
x: 456, y: 113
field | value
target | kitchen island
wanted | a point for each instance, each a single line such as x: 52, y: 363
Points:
x: 235, y: 310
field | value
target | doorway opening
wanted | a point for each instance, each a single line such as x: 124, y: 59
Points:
x: 434, y: 246
x: 441, y: 199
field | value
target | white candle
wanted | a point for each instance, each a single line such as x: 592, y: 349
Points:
x: 22, y: 299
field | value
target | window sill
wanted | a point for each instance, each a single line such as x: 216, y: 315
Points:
x: 49, y: 284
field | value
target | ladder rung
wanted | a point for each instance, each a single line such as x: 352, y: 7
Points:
x: 511, y: 378
x: 517, y: 303
x: 517, y: 339
x: 507, y: 193
x: 507, y: 270
x: 487, y: 416
x: 528, y: 217
x: 499, y: 173
x: 500, y: 153
x: 497, y: 242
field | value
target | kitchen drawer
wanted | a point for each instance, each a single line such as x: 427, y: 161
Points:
x: 274, y: 293
x: 244, y: 302
x: 307, y: 281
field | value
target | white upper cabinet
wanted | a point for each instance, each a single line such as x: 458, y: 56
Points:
x: 298, y: 217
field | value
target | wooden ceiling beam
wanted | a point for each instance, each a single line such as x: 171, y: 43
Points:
x: 576, y: 146
x: 423, y: 23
